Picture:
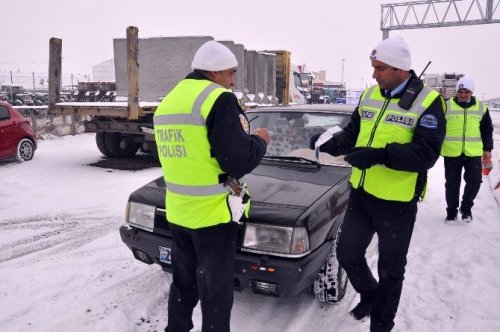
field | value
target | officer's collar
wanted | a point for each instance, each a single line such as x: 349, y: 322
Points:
x: 468, y: 104
x: 398, y: 89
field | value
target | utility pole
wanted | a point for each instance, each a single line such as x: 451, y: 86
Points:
x: 343, y: 72
x: 11, y: 82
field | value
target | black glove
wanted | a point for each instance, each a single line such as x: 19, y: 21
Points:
x: 364, y: 158
x: 313, y: 141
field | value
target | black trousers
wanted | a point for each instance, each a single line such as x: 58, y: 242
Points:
x: 453, y: 173
x: 203, y: 268
x: 393, y: 223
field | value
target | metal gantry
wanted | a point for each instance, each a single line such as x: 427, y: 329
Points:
x: 437, y: 13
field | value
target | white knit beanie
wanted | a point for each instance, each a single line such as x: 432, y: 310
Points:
x: 466, y: 83
x: 213, y: 56
x: 393, y: 52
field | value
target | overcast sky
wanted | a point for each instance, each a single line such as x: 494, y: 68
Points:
x: 318, y: 33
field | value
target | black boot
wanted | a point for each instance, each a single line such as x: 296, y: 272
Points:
x: 364, y: 307
x: 466, y: 216
x: 361, y: 311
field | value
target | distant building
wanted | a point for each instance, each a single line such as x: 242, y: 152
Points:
x: 325, y: 91
x: 493, y: 103
x: 104, y: 72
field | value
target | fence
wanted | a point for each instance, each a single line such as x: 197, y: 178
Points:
x: 38, y: 81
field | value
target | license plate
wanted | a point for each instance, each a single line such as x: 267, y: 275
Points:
x: 165, y: 256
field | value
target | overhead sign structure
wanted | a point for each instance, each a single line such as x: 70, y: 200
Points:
x: 437, y: 13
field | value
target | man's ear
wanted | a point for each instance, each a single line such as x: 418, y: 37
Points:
x: 212, y: 75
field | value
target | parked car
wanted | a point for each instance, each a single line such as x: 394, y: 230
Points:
x: 288, y: 242
x: 17, y: 138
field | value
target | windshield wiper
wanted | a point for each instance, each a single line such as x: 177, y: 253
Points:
x: 292, y: 158
x: 255, y: 117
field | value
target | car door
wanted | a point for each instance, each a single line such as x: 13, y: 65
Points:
x: 8, y: 132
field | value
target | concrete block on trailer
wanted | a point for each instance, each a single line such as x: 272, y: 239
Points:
x: 163, y: 62
x: 239, y: 52
x: 252, y: 76
x: 262, y: 77
x: 271, y: 78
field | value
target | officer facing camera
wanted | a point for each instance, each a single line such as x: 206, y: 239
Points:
x: 393, y: 138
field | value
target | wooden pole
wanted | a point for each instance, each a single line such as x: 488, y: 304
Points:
x: 55, y: 65
x: 133, y: 72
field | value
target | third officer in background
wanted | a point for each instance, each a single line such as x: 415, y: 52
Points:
x: 394, y: 137
x: 469, y: 137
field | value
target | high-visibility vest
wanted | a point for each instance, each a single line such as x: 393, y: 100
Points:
x: 463, y: 134
x: 383, y: 122
x: 194, y: 197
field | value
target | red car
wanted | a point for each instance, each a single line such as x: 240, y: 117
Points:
x: 17, y: 138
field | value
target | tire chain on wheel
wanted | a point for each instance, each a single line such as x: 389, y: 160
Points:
x: 326, y: 286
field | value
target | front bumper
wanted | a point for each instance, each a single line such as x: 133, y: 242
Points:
x: 269, y: 275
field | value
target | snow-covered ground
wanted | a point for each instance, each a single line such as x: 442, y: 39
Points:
x: 63, y: 266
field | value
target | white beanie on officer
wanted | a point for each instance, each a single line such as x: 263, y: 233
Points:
x: 393, y: 52
x: 466, y: 83
x: 213, y: 56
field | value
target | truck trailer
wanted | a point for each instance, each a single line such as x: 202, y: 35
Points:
x: 146, y: 70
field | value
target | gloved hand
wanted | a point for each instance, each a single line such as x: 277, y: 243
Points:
x: 364, y: 158
x: 332, y: 147
x: 313, y: 141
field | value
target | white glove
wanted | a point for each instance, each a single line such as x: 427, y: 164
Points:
x: 327, y: 135
x: 237, y: 207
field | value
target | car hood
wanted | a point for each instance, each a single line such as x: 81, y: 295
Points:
x: 279, y: 194
x: 282, y: 194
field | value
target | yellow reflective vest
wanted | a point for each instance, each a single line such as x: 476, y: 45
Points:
x: 194, y: 197
x: 383, y: 122
x: 463, y: 134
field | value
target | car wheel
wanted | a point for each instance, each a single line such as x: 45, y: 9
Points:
x: 101, y: 144
x: 120, y: 146
x: 25, y: 150
x: 331, y: 283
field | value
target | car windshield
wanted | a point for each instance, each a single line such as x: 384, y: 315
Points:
x: 291, y: 131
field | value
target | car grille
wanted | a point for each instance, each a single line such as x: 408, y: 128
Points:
x: 161, y: 221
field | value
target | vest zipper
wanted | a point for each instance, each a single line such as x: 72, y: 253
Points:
x: 463, y: 133
x: 372, y: 135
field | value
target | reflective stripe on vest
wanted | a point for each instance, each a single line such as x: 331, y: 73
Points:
x: 463, y: 134
x: 383, y: 122
x: 195, y: 117
x: 194, y: 198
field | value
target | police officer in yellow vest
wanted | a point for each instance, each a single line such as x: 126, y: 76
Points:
x: 393, y: 138
x: 203, y: 138
x: 469, y: 136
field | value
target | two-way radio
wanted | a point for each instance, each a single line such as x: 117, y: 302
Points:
x: 412, y: 91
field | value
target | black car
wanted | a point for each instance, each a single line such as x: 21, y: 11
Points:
x: 298, y: 203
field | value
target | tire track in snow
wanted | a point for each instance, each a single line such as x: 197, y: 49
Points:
x: 55, y: 233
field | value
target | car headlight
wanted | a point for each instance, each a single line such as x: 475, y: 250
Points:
x: 141, y: 215
x: 276, y: 239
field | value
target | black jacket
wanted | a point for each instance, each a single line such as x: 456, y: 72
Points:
x: 237, y: 152
x: 418, y: 156
x: 485, y: 126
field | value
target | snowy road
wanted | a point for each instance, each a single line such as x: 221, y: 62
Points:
x: 63, y: 266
